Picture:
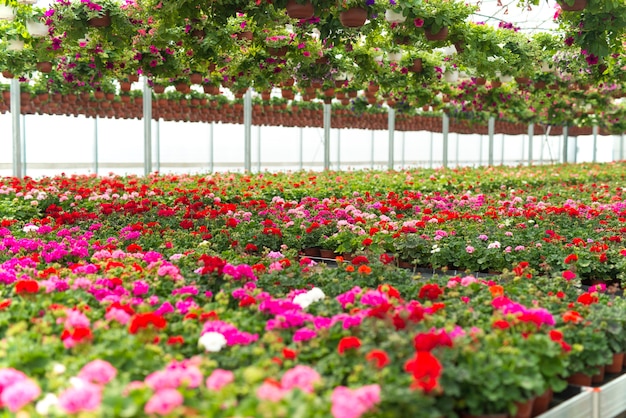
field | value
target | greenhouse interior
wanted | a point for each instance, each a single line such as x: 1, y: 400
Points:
x: 313, y: 208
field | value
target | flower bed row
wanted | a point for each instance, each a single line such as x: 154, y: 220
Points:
x: 188, y: 295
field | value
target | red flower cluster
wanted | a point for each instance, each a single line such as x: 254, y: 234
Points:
x: 425, y: 369
x: 572, y: 258
x: 587, y: 299
x: 427, y: 341
x: 360, y: 259
x: 26, y: 286
x: 144, y: 320
x: 557, y: 336
x: 348, y: 343
x: 212, y: 264
x: 378, y: 357
x: 430, y: 291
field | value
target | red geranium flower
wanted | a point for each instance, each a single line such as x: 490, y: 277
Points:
x: 176, y: 340
x: 572, y: 258
x: 379, y: 357
x: 425, y: 369
x: 26, y: 286
x: 360, y: 259
x: 347, y: 343
x: 144, y: 320
x: 430, y: 291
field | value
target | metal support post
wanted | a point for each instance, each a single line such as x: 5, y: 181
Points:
x: 456, y: 150
x: 15, y: 118
x: 24, y: 163
x: 491, y: 129
x: 432, y: 141
x: 258, y: 149
x: 301, y: 149
x: 247, y: 123
x: 621, y: 147
x: 338, y: 149
x: 595, y: 143
x: 445, y: 129
x: 158, y: 144
x: 502, y: 150
x: 480, y: 151
x: 326, y: 136
x: 147, y: 127
x: 565, y: 143
x: 95, y: 145
x: 403, y: 147
x: 391, y: 126
x: 531, y: 134
x: 211, y: 156
x: 372, y: 151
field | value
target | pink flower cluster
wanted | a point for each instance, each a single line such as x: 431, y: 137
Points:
x: 300, y: 377
x: 16, y: 389
x: 352, y: 403
x: 230, y: 332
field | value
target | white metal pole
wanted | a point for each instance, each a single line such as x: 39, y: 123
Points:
x: 456, y: 149
x: 338, y: 149
x: 247, y: 123
x: 445, y: 130
x: 95, y: 145
x: 531, y: 134
x: 391, y: 126
x: 595, y: 143
x: 158, y: 144
x: 147, y: 127
x: 491, y: 131
x: 24, y: 163
x: 403, y: 147
x: 258, y: 149
x: 502, y: 150
x: 326, y: 136
x: 432, y: 143
x: 480, y: 151
x: 211, y: 157
x: 372, y: 151
x: 301, y: 149
x: 15, y: 118
x: 565, y: 143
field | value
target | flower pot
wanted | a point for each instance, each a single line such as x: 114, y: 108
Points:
x: 524, y: 409
x: 36, y: 29
x: 44, y: 66
x: 522, y: 81
x: 576, y: 7
x: 245, y: 36
x: 195, y: 78
x: 158, y: 88
x: 579, y: 379
x: 133, y: 78
x: 617, y: 363
x: 542, y: 402
x: 353, y: 18
x: 278, y: 52
x: 480, y: 81
x: 599, y: 376
x: 394, y: 17
x: 7, y: 74
x: 417, y: 66
x: 496, y: 83
x: 100, y: 22
x: 297, y: 10
x: 182, y: 87
x: 505, y: 78
x: 15, y: 45
x: 441, y: 35
x: 6, y: 12
x: 329, y: 254
x: 312, y: 252
x: 394, y: 57
x: 451, y: 76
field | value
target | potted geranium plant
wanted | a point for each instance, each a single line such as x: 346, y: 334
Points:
x: 436, y: 16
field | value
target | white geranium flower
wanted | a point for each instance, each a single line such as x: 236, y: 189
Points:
x: 316, y: 294
x: 303, y: 300
x: 212, y: 341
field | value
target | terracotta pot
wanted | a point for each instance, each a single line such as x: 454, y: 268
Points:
x: 125, y: 85
x: 442, y: 35
x: 182, y: 87
x: 158, y: 88
x: 44, y: 66
x: 100, y: 22
x: 522, y: 80
x: 196, y: 78
x: 245, y: 36
x: 579, y: 379
x: 353, y: 18
x: 417, y: 66
x: 296, y: 10
x: 480, y: 81
x: 312, y: 252
x: 7, y: 74
x: 524, y: 409
x: 278, y: 52
x: 598, y: 377
x: 496, y: 83
x: 617, y: 364
x: 576, y: 7
x: 133, y: 78
x: 211, y: 89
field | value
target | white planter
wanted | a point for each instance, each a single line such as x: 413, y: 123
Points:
x: 394, y: 56
x: 6, y: 12
x: 36, y: 29
x: 506, y: 78
x: 15, y: 45
x: 27, y: 1
x: 378, y: 58
x: 545, y: 67
x: 451, y: 76
x: 394, y: 17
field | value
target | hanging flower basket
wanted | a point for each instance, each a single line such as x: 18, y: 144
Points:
x: 6, y: 12
x: 353, y: 18
x: 195, y: 78
x: 44, y: 67
x: 576, y: 7
x: 297, y: 10
x: 278, y: 52
x: 100, y: 22
x: 441, y: 35
x: 417, y: 66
